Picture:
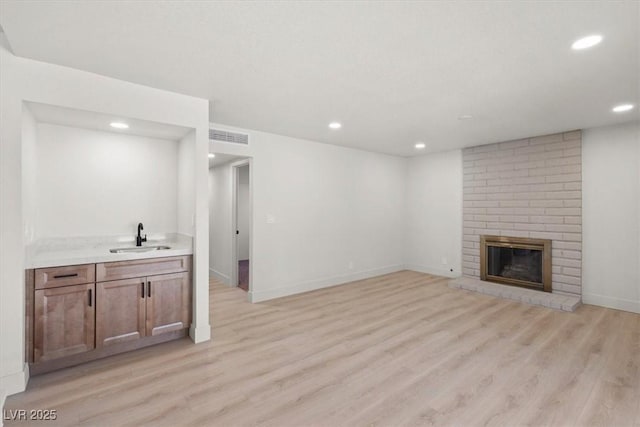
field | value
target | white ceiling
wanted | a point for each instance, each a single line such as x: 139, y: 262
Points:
x: 392, y: 72
x: 57, y: 115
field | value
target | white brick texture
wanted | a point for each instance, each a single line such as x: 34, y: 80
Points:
x: 527, y: 188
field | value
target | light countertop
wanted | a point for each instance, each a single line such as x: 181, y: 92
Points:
x: 54, y: 252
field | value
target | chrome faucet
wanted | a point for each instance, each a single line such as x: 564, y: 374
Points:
x: 139, y: 238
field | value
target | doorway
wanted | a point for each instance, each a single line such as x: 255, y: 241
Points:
x: 241, y: 251
x: 230, y: 224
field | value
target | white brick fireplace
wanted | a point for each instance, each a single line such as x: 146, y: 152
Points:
x: 527, y: 188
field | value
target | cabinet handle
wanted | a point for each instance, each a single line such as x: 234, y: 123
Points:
x: 142, y: 290
x: 149, y: 289
x: 62, y: 276
x: 90, y: 297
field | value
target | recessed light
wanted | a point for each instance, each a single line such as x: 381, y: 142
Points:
x: 586, y: 42
x: 119, y: 125
x: 335, y: 125
x: 465, y: 117
x: 622, y: 108
x: 211, y: 155
x: 420, y: 145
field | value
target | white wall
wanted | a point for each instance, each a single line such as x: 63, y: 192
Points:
x: 322, y: 214
x: 244, y: 204
x: 29, y: 175
x: 611, y: 216
x: 220, y: 222
x: 95, y: 183
x: 434, y: 214
x: 24, y: 80
x: 186, y: 185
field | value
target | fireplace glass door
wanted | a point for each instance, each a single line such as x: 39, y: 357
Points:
x: 515, y: 263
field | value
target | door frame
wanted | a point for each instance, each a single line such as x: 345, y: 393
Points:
x: 235, y: 170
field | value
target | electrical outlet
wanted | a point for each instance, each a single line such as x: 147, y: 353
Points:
x: 444, y: 261
x: 350, y: 265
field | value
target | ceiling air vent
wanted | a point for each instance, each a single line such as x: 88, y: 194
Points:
x: 225, y: 136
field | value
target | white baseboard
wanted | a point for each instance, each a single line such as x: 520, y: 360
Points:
x: 611, y: 302
x: 219, y: 276
x: 311, y: 285
x: 200, y: 334
x: 436, y: 271
x: 14, y: 383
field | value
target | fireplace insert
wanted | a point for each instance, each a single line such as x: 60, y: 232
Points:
x: 516, y: 261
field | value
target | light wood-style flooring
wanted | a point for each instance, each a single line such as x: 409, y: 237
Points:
x: 400, y: 349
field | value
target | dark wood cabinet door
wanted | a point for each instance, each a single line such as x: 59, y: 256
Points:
x: 120, y: 311
x: 168, y: 303
x: 64, y: 321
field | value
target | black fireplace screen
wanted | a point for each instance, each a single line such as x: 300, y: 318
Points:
x: 515, y: 263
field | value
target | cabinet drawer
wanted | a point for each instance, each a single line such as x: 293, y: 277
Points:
x: 141, y: 267
x: 64, y: 276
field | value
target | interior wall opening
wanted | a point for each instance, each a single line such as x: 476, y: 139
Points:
x: 230, y: 220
